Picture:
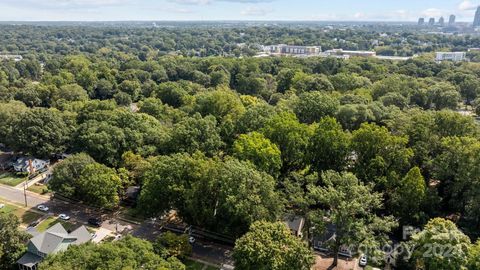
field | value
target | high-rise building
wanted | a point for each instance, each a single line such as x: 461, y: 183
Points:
x: 421, y: 21
x: 451, y: 20
x: 441, y: 21
x: 431, y: 22
x: 476, y: 21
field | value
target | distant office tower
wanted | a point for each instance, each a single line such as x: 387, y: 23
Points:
x: 451, y: 20
x: 476, y: 21
x: 431, y: 22
x: 441, y: 21
x: 421, y: 21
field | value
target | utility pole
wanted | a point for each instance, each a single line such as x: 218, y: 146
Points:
x: 30, y: 169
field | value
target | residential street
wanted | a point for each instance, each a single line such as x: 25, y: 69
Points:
x: 202, y: 249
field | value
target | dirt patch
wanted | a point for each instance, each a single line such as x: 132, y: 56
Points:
x: 323, y: 262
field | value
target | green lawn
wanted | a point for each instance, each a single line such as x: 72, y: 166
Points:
x: 25, y: 216
x: 49, y: 222
x: 10, y: 179
x: 40, y: 189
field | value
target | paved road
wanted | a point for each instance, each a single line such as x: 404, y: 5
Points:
x: 16, y: 195
x: 202, y: 249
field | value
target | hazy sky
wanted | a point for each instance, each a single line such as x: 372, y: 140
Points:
x: 363, y: 10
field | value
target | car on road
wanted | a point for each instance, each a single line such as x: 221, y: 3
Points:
x: 97, y: 222
x: 362, y: 261
x: 33, y: 224
x: 191, y: 240
x: 43, y: 208
x: 64, y: 217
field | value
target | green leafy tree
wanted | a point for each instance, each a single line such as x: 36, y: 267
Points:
x: 173, y: 245
x: 259, y: 150
x: 127, y: 253
x: 329, y: 146
x: 440, y: 246
x: 474, y: 256
x: 350, y: 206
x: 291, y: 137
x: 380, y: 156
x: 238, y: 193
x: 80, y: 177
x: 271, y: 246
x: 42, y: 132
x: 12, y: 241
x: 313, y: 106
x: 409, y: 196
x: 196, y: 133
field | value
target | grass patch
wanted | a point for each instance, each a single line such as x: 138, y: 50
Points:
x: 26, y: 216
x: 10, y: 179
x: 8, y: 208
x: 49, y: 222
x: 193, y: 265
x: 39, y: 189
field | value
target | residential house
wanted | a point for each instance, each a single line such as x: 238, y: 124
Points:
x: 22, y: 164
x: 321, y: 242
x: 53, y: 240
x: 295, y: 224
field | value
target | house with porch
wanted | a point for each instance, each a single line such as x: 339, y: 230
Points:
x: 53, y: 240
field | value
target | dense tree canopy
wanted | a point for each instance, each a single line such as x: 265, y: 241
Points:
x: 271, y: 246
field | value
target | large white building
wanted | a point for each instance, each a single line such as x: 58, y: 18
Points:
x: 292, y: 50
x: 451, y: 56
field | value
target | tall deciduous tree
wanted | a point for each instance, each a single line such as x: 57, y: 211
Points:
x: 80, y: 177
x: 329, y: 147
x: 440, y: 246
x: 350, y: 207
x: 42, y: 132
x: 127, y: 253
x: 271, y: 246
x: 291, y: 137
x: 260, y: 151
x: 12, y: 241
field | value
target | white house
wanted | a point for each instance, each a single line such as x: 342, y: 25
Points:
x: 451, y: 56
x: 22, y: 164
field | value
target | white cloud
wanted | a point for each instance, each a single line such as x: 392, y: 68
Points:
x: 205, y: 2
x: 59, y: 4
x: 255, y: 11
x: 432, y: 12
x: 467, y: 5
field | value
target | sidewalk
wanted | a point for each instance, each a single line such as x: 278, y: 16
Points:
x: 34, y: 180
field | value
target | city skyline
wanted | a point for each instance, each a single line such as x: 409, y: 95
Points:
x: 105, y: 10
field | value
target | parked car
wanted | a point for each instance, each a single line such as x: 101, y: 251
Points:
x: 363, y: 261
x: 33, y: 224
x: 95, y: 222
x: 191, y: 240
x: 43, y: 208
x: 64, y: 217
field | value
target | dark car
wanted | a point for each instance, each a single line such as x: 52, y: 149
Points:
x: 95, y: 222
x: 33, y: 224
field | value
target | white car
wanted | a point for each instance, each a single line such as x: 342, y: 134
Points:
x: 363, y: 260
x: 43, y: 208
x: 2, y: 205
x: 64, y: 217
x: 191, y: 240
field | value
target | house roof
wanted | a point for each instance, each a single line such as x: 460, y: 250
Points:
x: 295, y: 223
x: 29, y: 259
x: 50, y: 240
x: 82, y: 235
